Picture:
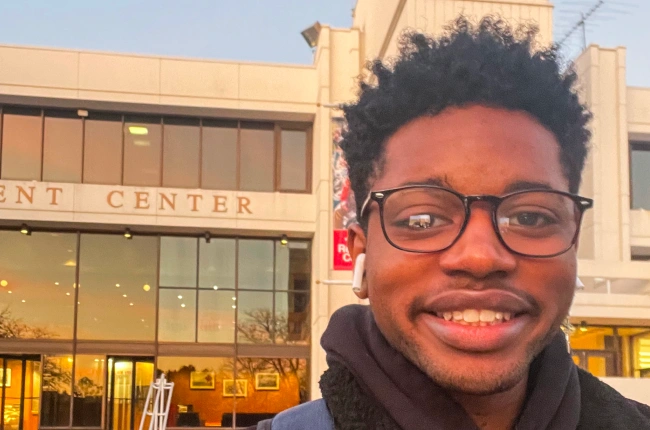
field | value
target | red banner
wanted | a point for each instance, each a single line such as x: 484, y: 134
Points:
x: 342, y: 259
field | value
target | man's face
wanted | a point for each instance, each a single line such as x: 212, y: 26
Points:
x: 474, y: 150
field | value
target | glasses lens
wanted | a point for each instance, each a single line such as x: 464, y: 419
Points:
x: 538, y: 223
x: 423, y: 219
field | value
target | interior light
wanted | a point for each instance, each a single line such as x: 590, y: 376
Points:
x: 9, y: 291
x: 138, y: 130
x: 234, y: 298
x: 3, y: 283
x: 23, y: 300
x: 182, y: 305
x: 67, y: 294
x: 123, y: 295
x: 56, y: 283
x: 117, y: 285
x: 146, y: 287
x: 180, y: 297
x: 70, y: 263
x: 215, y: 287
x: 24, y: 229
x: 127, y: 234
x: 284, y: 240
x: 583, y: 326
x: 234, y: 306
x: 130, y: 304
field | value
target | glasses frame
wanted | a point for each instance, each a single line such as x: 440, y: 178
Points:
x: 582, y: 203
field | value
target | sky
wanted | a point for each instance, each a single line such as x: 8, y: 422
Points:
x: 264, y: 30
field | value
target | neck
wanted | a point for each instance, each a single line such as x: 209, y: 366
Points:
x: 495, y: 411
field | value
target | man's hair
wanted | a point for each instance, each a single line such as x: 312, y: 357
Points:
x: 488, y: 64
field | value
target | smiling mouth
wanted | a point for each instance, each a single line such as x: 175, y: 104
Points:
x: 476, y: 317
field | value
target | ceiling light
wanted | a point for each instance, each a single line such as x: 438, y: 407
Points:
x: 130, y: 304
x: 56, y: 283
x: 117, y: 285
x: 215, y: 287
x: 180, y: 297
x: 138, y: 130
x: 146, y: 287
x: 182, y: 305
x: 123, y: 295
x: 284, y: 240
x: 234, y: 298
x: 3, y: 283
x: 24, y: 229
x: 67, y: 294
x: 127, y: 234
x: 23, y: 300
x: 234, y: 306
x: 583, y: 326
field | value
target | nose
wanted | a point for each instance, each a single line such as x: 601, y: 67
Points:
x: 478, y: 253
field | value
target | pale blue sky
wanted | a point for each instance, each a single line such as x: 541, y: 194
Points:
x: 259, y: 30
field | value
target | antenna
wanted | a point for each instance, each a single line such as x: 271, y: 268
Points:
x: 588, y: 12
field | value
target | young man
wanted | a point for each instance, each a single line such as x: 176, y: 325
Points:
x: 465, y: 158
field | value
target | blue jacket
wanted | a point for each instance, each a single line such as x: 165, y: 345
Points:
x: 312, y: 415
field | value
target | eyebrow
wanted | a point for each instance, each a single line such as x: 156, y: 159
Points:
x: 527, y: 185
x: 435, y: 180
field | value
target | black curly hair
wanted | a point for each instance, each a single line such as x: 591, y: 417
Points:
x: 488, y: 64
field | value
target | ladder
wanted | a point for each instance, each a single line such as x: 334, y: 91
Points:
x: 157, y: 404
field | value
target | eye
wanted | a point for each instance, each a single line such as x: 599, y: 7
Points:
x: 530, y: 219
x: 421, y: 221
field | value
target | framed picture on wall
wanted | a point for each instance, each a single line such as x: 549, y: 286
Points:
x: 238, y: 389
x: 7, y: 378
x: 267, y: 381
x: 202, y: 381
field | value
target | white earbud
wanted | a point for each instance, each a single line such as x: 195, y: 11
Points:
x: 357, y: 275
x: 579, y: 284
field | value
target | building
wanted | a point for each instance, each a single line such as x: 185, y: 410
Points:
x: 183, y: 216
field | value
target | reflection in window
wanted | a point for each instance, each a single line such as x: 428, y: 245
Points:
x: 198, y: 398
x: 292, y: 266
x: 293, y: 160
x: 217, y: 316
x: 142, y: 151
x: 273, y: 385
x: 181, y: 153
x: 177, y: 315
x: 217, y: 264
x: 57, y: 386
x: 118, y: 287
x: 88, y: 390
x: 255, y: 323
x: 292, y: 318
x: 640, y: 171
x: 257, y: 157
x: 219, y: 168
x: 178, y: 262
x: 103, y: 150
x: 255, y: 265
x: 21, y: 144
x: 62, y: 143
x: 37, y: 304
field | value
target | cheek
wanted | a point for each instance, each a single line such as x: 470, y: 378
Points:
x: 554, y: 282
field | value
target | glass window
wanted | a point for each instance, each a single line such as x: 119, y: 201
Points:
x: 217, y: 264
x: 640, y: 171
x: 273, y: 385
x: 22, y: 144
x: 103, y: 150
x: 88, y: 391
x: 181, y: 153
x: 217, y: 316
x: 37, y: 304
x: 255, y: 264
x: 293, y: 160
x: 257, y: 158
x: 255, y: 317
x: 57, y: 386
x: 292, y: 318
x: 178, y: 262
x: 117, y: 293
x: 177, y: 315
x: 198, y: 398
x: 292, y: 266
x: 62, y: 143
x: 219, y: 164
x: 142, y: 151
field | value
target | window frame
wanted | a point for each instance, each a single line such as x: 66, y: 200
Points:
x: 635, y: 145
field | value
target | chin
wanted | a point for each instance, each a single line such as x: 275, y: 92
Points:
x: 474, y: 374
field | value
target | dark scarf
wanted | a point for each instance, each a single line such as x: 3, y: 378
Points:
x: 373, y: 386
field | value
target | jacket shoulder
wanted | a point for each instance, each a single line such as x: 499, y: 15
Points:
x: 602, y: 407
x: 313, y: 415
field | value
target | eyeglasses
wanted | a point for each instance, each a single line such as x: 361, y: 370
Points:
x: 428, y: 218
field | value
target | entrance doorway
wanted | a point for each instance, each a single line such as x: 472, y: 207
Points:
x: 598, y: 363
x: 128, y: 383
x: 20, y: 382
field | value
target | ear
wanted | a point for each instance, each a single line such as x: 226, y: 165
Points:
x: 356, y: 247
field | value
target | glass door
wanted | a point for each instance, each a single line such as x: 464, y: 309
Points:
x: 128, y: 383
x: 20, y: 382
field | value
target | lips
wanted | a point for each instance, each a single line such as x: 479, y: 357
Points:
x: 478, y: 321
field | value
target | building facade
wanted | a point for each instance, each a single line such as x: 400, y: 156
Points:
x: 187, y: 217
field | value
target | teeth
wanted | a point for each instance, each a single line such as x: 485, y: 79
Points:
x: 476, y: 317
